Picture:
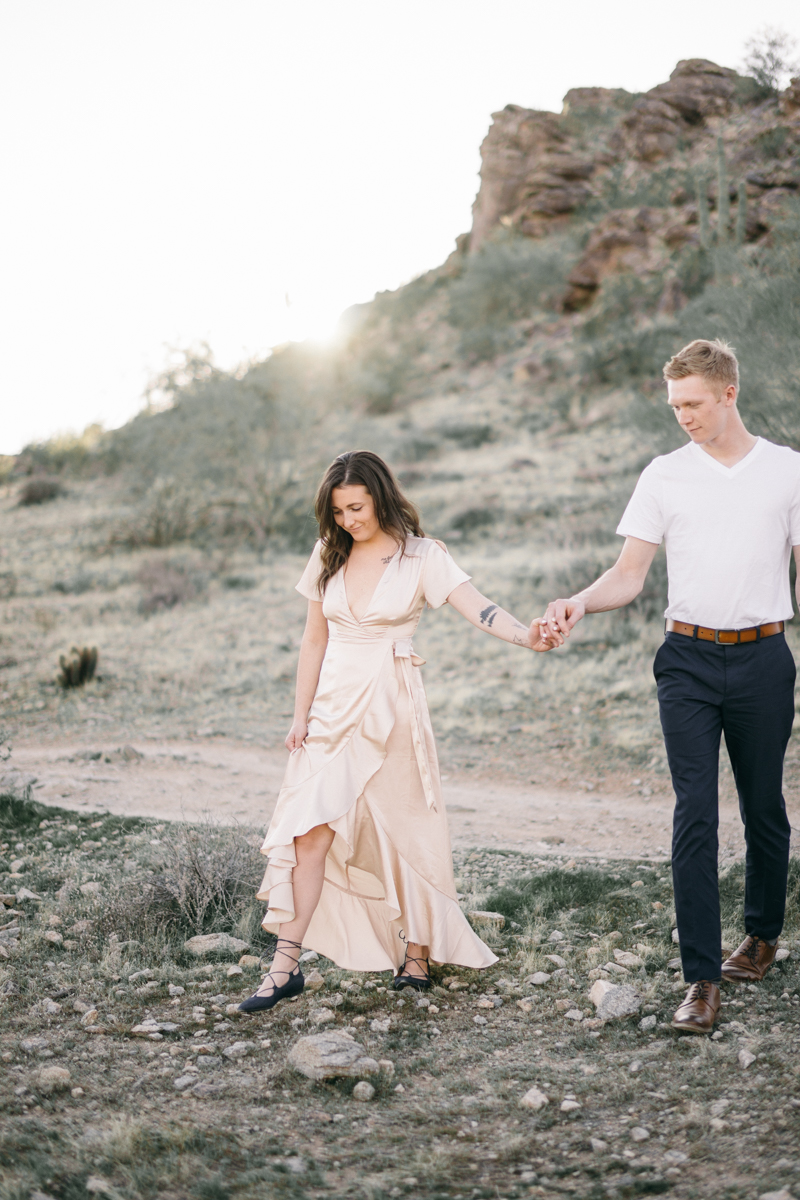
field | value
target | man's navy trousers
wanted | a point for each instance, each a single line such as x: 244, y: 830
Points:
x: 746, y: 692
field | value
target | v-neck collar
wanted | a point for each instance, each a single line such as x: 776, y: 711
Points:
x: 729, y: 472
x: 360, y: 620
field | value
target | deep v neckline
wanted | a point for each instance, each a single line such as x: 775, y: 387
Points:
x: 375, y: 590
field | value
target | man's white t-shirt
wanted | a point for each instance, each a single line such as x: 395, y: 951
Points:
x: 728, y: 532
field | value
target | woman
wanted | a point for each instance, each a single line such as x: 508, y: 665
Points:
x: 359, y: 863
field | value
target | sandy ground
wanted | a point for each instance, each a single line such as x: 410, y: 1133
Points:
x: 231, y: 781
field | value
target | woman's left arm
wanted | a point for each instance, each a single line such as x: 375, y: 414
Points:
x: 484, y: 614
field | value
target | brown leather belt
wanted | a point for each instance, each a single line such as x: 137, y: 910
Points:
x: 725, y: 637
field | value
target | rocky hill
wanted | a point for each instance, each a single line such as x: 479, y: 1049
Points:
x: 515, y: 388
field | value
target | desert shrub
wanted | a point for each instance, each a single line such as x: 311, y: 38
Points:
x: 239, y: 582
x: 473, y: 518
x: 68, y: 454
x: 18, y: 812
x: 168, y: 582
x: 504, y: 281
x: 40, y: 489
x: 469, y: 437
x: 79, y: 668
x: 168, y: 513
x: 206, y: 884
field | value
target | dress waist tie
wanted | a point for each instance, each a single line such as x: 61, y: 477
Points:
x: 408, y: 659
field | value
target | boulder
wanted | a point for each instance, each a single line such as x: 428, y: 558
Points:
x: 331, y: 1055
x: 534, y: 1099
x: 363, y: 1091
x: 214, y: 943
x: 614, y: 1001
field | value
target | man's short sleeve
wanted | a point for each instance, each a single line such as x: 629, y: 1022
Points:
x: 441, y: 575
x: 794, y: 511
x: 307, y: 586
x: 644, y: 516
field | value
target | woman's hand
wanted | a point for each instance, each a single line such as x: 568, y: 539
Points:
x: 539, y: 638
x: 296, y: 735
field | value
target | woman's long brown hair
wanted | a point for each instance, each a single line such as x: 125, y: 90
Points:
x: 396, y: 515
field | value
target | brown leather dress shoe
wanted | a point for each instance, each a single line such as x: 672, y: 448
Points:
x: 750, y: 963
x: 699, y: 1010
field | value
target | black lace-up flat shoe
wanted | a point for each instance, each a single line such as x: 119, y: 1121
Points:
x: 293, y: 987
x: 420, y: 983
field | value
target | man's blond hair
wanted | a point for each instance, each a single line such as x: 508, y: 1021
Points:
x: 715, y: 361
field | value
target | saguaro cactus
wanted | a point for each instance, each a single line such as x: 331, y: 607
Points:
x: 723, y: 195
x: 701, y: 185
x: 741, y: 214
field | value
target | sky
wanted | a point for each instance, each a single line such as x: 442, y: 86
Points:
x: 239, y: 173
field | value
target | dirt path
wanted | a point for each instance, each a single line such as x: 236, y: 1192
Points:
x: 232, y: 781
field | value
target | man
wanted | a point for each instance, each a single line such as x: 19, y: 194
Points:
x: 727, y: 506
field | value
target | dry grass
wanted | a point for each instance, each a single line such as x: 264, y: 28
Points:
x: 249, y: 1126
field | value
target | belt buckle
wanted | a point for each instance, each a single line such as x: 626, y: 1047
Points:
x: 717, y: 642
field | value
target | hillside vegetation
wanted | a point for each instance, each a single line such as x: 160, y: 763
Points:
x: 515, y: 389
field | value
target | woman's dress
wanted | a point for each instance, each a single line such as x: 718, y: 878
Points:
x: 368, y: 768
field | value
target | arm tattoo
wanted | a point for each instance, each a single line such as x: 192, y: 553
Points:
x: 488, y: 615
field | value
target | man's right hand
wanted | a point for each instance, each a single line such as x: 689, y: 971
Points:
x: 561, y: 617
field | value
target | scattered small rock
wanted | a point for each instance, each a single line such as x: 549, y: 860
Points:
x: 648, y: 1023
x: 27, y: 894
x: 573, y: 1014
x: 309, y: 956
x: 251, y: 960
x: 54, y: 938
x: 90, y: 1017
x: 331, y: 1055
x: 91, y: 889
x: 386, y: 1066
x: 557, y: 960
x: 639, y: 1134
x: 183, y: 1082
x: 675, y: 1157
x: 570, y: 1105
x: 781, y: 955
x: 556, y: 936
x: 538, y: 979
x: 626, y: 959
x: 321, y: 1016
x: 783, y: 1194
x: 315, y: 980
x: 534, y: 1098
x: 675, y: 937
x: 378, y: 1026
x: 231, y: 971
x: 175, y: 989
x: 34, y: 1045
x: 598, y: 1145
x: 239, y: 1049
x: 745, y: 1058
x: 494, y: 920
x: 363, y: 1091
x: 214, y: 943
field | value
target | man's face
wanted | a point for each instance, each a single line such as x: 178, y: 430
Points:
x: 703, y: 411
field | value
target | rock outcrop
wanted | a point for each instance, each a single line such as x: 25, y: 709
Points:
x: 539, y: 168
x: 697, y: 89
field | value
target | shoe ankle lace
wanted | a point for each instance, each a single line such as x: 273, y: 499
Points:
x: 273, y: 971
x: 700, y: 990
x: 752, y: 951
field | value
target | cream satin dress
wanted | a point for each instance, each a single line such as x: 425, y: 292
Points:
x: 368, y: 768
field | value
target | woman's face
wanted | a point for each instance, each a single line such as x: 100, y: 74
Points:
x: 354, y: 511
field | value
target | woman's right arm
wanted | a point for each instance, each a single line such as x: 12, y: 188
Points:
x: 312, y: 652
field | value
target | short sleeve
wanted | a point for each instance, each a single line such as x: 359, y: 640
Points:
x: 307, y: 586
x: 644, y: 516
x: 441, y: 575
x: 794, y: 510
